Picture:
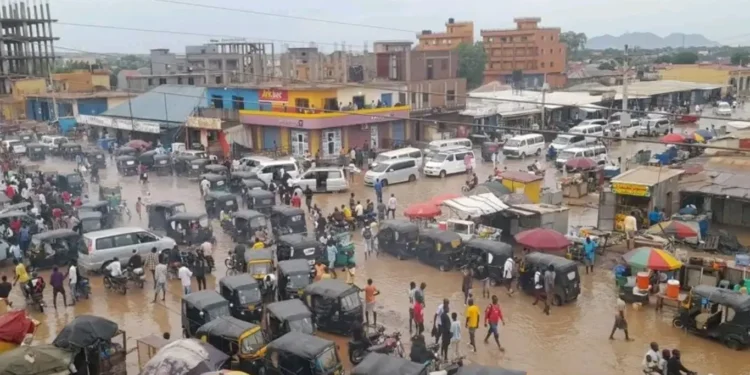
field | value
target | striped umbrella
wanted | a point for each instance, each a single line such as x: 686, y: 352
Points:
x: 652, y: 258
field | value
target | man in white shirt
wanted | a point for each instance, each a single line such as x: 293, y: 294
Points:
x: 205, y: 186
x: 653, y: 352
x: 42, y: 199
x: 392, y: 203
x: 115, y: 268
x: 29, y: 182
x: 358, y: 209
x: 16, y: 251
x: 436, y: 319
x: 73, y: 281
x: 185, y: 276
x: 508, y: 274
x: 25, y: 193
x: 207, y: 248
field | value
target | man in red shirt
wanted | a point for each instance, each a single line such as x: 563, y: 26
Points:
x: 493, y: 315
x: 65, y: 196
x: 296, y: 201
x: 418, y: 309
x: 15, y: 225
x: 10, y: 192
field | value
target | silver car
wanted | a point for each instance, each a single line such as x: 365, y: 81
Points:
x: 392, y: 172
x: 104, y: 245
x: 321, y: 180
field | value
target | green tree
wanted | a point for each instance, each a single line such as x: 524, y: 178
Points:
x: 685, y: 57
x: 606, y: 66
x: 576, y: 42
x: 740, y: 57
x: 471, y: 62
x: 663, y: 59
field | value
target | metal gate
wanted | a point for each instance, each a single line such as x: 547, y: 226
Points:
x: 606, y: 219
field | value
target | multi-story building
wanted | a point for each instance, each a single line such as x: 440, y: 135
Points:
x: 736, y: 77
x: 455, y: 34
x: 527, y: 56
x: 83, y: 81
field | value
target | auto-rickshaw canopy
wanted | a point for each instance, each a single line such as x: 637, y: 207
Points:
x: 238, y: 282
x: 207, y: 301
x: 298, y: 241
x: 216, y: 169
x: 69, y: 147
x: 253, y: 184
x: 213, y: 177
x: 263, y: 197
x: 222, y: 200
x: 444, y: 239
x: 162, y: 160
x: 36, y: 147
x: 301, y: 345
x: 738, y: 302
x: 250, y: 216
x: 400, y: 226
x: 227, y: 327
x: 294, y: 267
x: 189, y: 216
x: 289, y: 310
x: 259, y: 255
x: 199, y: 162
x: 125, y: 150
x: 496, y: 248
x: 126, y: 160
x: 90, y: 220
x: 383, y: 364
x: 330, y: 288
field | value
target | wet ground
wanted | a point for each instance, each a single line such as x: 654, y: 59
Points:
x: 572, y: 340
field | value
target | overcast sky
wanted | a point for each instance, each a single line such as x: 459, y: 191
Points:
x: 593, y: 17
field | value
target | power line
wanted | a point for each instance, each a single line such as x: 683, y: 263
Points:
x: 299, y: 18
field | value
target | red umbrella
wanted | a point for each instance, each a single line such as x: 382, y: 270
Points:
x: 422, y: 211
x: 139, y: 144
x: 581, y: 163
x: 440, y: 198
x: 673, y: 138
x: 542, y: 239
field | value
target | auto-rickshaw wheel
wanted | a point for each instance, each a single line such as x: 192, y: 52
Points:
x: 442, y: 268
x: 677, y: 323
x: 493, y: 282
x: 733, y: 344
x: 557, y: 300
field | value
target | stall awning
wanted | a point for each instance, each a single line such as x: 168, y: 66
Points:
x: 241, y: 135
x: 592, y: 108
x: 477, y: 205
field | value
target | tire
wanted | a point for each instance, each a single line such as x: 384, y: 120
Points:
x: 523, y: 155
x: 677, y: 323
x: 41, y: 308
x: 231, y: 272
x: 356, y: 356
x: 733, y: 344
x: 412, y: 178
x: 442, y: 268
x: 442, y: 174
x: 384, y: 183
x: 227, y: 264
x: 538, y: 152
x: 557, y: 300
x: 493, y: 282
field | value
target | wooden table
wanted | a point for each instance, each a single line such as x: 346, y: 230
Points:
x: 661, y: 297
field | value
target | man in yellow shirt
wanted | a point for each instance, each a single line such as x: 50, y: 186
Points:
x: 472, y: 321
x: 258, y: 244
x: 21, y: 275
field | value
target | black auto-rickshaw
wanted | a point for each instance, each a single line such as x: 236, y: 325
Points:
x: 486, y: 258
x: 217, y: 169
x: 567, y: 279
x: 489, y: 148
x: 125, y: 150
x: 90, y: 221
x: 160, y: 212
x: 70, y: 150
x: 294, y: 276
x: 199, y: 308
x: 249, y: 184
x: 244, y: 296
x: 288, y: 220
x: 189, y: 228
x: 127, y: 165
x: 197, y: 167
x: 398, y: 238
x: 706, y: 313
x: 441, y: 249
x: 260, y: 263
x: 242, y: 341
x: 246, y: 223
x: 36, y: 151
x: 217, y: 201
x: 147, y: 158
x: 182, y: 164
x: 162, y: 165
x: 103, y: 207
x: 70, y: 182
x: 55, y: 248
x: 217, y: 182
x: 27, y: 138
x: 260, y: 200
x: 301, y: 354
x: 97, y: 158
x: 297, y: 246
x: 235, y: 180
x: 383, y: 364
x: 287, y: 316
x: 335, y: 305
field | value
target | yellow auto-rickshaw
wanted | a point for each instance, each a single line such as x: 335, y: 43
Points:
x: 241, y: 340
x: 259, y: 263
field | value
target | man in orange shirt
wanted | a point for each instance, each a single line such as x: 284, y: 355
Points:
x: 370, y: 292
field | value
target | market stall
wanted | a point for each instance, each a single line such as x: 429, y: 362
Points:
x: 523, y: 182
x: 639, y: 191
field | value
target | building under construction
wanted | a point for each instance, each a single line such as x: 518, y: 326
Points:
x: 26, y: 43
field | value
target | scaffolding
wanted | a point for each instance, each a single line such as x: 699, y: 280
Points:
x: 26, y: 42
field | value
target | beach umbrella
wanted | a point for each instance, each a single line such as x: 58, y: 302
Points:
x: 673, y: 138
x: 440, y: 198
x: 705, y: 134
x: 422, y: 211
x: 652, y: 258
x: 139, y: 144
x: 580, y: 164
x: 678, y: 229
x: 542, y: 239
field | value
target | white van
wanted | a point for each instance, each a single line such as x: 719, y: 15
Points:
x: 391, y: 172
x: 15, y: 146
x: 269, y: 170
x: 521, y: 146
x: 597, y: 152
x: 655, y: 126
x: 449, y: 143
x: 564, y: 141
x: 616, y: 129
x: 592, y: 132
x: 449, y: 162
x: 103, y: 245
x: 402, y: 153
x: 53, y: 141
x: 322, y: 180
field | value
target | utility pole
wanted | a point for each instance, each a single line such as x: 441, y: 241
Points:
x: 545, y: 87
x: 625, y: 115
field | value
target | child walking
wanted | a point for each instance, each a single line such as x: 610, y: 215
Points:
x: 456, y: 335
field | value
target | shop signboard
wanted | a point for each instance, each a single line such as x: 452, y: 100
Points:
x: 203, y: 123
x: 273, y: 95
x: 635, y: 190
x: 120, y: 123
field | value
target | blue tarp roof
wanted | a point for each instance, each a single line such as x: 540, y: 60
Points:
x: 165, y: 103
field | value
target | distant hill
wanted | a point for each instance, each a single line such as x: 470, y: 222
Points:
x: 649, y: 41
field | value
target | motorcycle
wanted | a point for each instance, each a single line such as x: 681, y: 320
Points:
x: 388, y: 344
x: 35, y: 296
x: 186, y: 258
x: 233, y: 268
x: 359, y: 349
x: 83, y: 288
x: 136, y: 276
x: 448, y: 368
x: 118, y: 284
x: 534, y: 169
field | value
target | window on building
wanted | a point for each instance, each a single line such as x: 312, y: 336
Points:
x: 402, y: 98
x: 523, y: 38
x: 490, y: 39
x: 542, y: 37
x: 450, y: 95
x: 425, y: 98
x: 551, y: 51
x: 542, y: 64
x: 551, y: 64
x: 179, y: 80
x: 191, y: 81
x: 162, y: 81
x: 217, y: 101
x: 444, y: 64
x: 503, y: 39
x: 413, y: 98
x: 218, y: 80
x: 238, y: 102
x: 150, y: 82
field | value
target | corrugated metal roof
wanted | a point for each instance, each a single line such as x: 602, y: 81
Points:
x: 718, y: 183
x: 646, y: 175
x: 165, y: 103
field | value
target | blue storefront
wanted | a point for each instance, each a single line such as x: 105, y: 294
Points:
x: 233, y: 98
x: 43, y: 109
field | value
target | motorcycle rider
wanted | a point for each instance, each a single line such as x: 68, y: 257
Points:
x: 135, y: 260
x: 537, y: 166
x: 239, y: 258
x: 115, y: 270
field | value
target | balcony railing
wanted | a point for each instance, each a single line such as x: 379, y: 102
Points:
x: 317, y: 119
x: 226, y: 114
x: 312, y: 113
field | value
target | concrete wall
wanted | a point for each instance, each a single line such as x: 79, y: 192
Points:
x: 696, y: 73
x: 437, y: 93
x: 92, y: 106
x: 345, y: 94
x: 228, y: 96
x: 147, y: 83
